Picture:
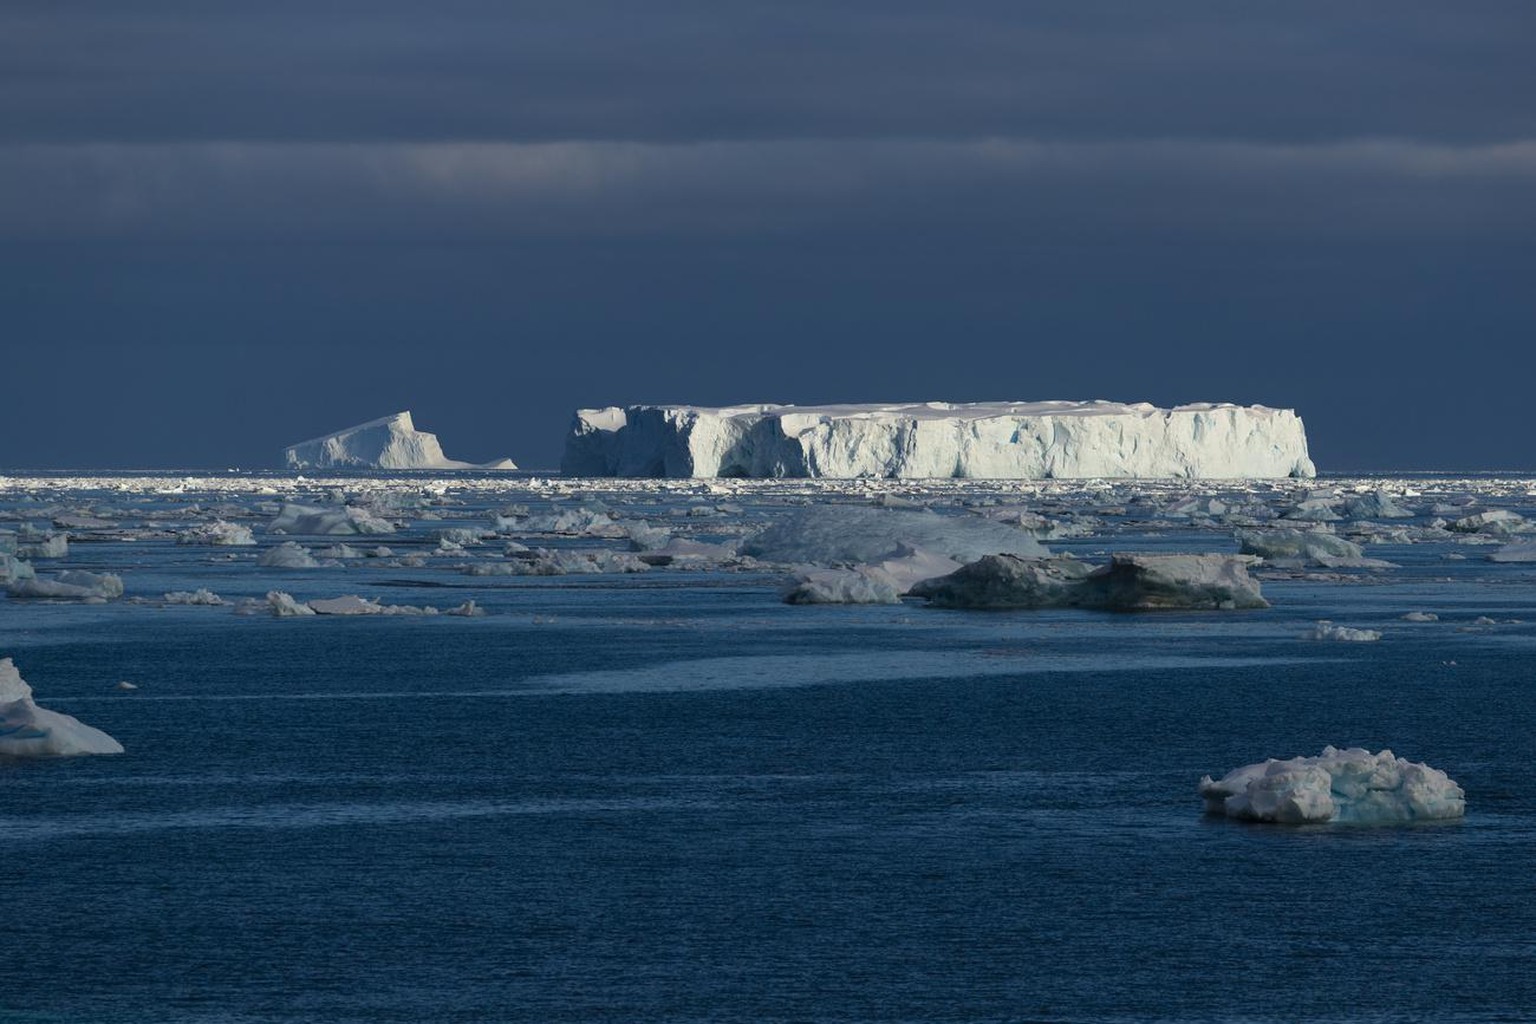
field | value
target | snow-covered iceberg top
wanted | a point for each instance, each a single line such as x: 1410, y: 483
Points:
x: 27, y: 730
x: 392, y: 442
x: 984, y: 440
x: 1351, y: 786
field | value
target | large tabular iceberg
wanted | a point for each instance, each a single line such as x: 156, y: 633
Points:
x: 994, y: 440
x: 27, y: 730
x: 392, y: 442
x: 1351, y: 786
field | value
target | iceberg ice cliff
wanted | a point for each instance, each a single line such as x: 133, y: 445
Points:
x: 1351, y: 786
x: 27, y: 730
x: 392, y: 442
x: 991, y: 440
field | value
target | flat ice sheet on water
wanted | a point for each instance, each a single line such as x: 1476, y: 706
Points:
x: 982, y: 440
x: 852, y: 554
x: 856, y: 534
x: 340, y: 521
x: 1351, y: 786
x: 27, y: 730
x: 70, y: 585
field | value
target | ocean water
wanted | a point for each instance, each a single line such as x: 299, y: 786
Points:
x: 667, y: 796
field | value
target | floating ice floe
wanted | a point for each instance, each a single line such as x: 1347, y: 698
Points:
x: 283, y: 605
x: 994, y: 440
x: 27, y: 730
x: 343, y: 521
x: 1295, y: 548
x: 1351, y: 786
x: 288, y: 555
x: 1378, y: 505
x: 200, y: 596
x: 1315, y: 508
x: 1130, y: 582
x: 13, y: 568
x: 70, y: 585
x: 391, y: 442
x: 53, y: 545
x: 842, y: 586
x: 1497, y: 523
x: 1325, y: 630
x: 848, y: 534
x: 217, y: 532
x: 545, y: 562
x: 1524, y: 551
x: 869, y: 555
x: 581, y: 521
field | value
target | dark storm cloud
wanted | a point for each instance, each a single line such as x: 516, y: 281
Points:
x: 690, y: 70
x: 476, y: 191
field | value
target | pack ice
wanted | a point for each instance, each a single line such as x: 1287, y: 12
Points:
x: 1351, y: 786
x: 392, y: 442
x: 991, y: 440
x: 27, y: 730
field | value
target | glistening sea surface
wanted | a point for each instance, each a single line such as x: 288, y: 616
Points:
x: 667, y: 796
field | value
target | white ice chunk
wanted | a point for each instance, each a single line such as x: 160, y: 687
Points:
x: 13, y: 568
x: 336, y: 521
x: 1000, y: 440
x: 1524, y: 551
x: 350, y: 604
x: 287, y: 555
x: 54, y: 545
x: 1378, y: 505
x: 1500, y: 522
x: 392, y: 442
x: 1288, y: 547
x: 72, y: 585
x: 284, y: 606
x: 1349, y: 786
x: 842, y: 586
x: 545, y: 562
x: 27, y: 730
x: 1325, y: 630
x: 217, y: 532
x: 202, y: 595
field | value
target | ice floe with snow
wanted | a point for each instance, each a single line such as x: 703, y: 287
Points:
x: 1351, y: 786
x: 1326, y: 630
x: 217, y: 532
x: 344, y: 520
x: 1293, y: 548
x: 27, y: 730
x: 70, y: 585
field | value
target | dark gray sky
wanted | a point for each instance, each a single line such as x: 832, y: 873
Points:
x: 227, y: 227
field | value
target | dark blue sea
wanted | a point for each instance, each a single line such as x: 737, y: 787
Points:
x: 669, y: 797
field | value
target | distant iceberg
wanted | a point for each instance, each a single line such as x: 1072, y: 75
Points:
x: 27, y: 730
x: 991, y: 440
x: 1351, y: 786
x: 392, y: 442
